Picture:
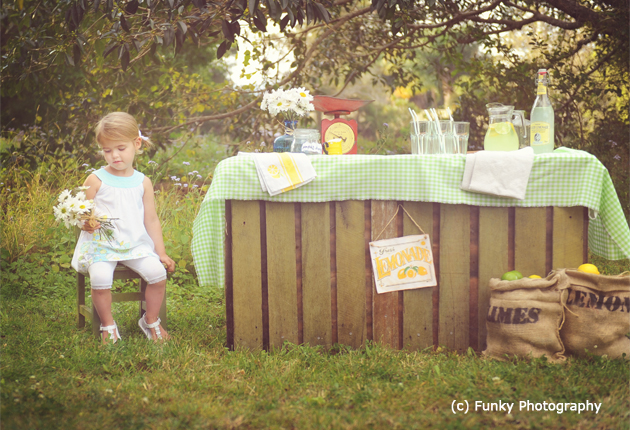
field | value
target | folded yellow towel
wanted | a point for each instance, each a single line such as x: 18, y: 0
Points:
x: 281, y: 172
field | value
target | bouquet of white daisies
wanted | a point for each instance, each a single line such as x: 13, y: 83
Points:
x: 292, y: 103
x: 74, y: 210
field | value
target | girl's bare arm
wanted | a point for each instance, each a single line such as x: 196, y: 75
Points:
x: 153, y: 226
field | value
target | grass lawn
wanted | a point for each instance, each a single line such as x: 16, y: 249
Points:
x: 56, y: 376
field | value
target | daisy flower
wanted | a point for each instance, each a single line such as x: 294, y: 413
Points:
x: 65, y: 194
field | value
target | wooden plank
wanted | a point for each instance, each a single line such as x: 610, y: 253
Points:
x: 568, y: 237
x: 493, y: 259
x: 473, y: 285
x: 454, y: 276
x: 530, y: 248
x: 351, y: 285
x: 123, y: 272
x: 585, y: 235
x: 229, y: 279
x: 384, y: 306
x: 247, y: 278
x: 435, y: 247
x: 86, y: 311
x: 316, y: 293
x: 281, y: 274
x: 369, y: 290
x: 418, y: 304
x: 297, y: 211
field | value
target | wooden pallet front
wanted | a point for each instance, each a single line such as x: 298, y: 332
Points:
x: 301, y: 272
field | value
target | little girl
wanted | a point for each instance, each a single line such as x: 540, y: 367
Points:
x: 126, y: 197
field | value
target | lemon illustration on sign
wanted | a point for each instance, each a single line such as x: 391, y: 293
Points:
x: 589, y: 268
x: 512, y: 275
x: 273, y: 171
x: 411, y: 272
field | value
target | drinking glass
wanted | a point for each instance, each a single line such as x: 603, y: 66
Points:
x: 432, y: 141
x: 447, y: 140
x: 418, y: 134
x: 461, y: 131
x: 521, y: 125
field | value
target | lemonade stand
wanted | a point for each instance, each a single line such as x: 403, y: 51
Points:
x: 296, y: 266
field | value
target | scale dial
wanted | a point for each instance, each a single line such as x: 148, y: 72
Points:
x: 342, y: 131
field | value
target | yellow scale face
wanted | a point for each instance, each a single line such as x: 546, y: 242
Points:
x: 343, y: 132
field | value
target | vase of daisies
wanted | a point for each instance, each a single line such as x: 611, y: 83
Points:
x: 290, y: 105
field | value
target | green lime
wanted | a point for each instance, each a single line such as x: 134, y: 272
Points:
x: 512, y: 275
x: 502, y: 127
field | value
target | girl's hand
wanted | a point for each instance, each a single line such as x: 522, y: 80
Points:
x: 91, y: 227
x: 168, y: 262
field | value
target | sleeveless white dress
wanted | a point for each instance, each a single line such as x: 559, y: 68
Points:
x: 121, y: 198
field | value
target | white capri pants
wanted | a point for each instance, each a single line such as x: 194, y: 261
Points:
x: 149, y: 268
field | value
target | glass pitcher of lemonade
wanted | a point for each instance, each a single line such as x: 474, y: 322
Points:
x: 501, y: 134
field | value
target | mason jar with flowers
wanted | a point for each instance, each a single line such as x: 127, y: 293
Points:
x: 290, y: 104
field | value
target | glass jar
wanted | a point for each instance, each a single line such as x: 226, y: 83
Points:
x: 307, y: 141
x: 283, y: 143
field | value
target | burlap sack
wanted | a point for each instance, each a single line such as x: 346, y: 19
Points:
x: 597, y: 317
x: 524, y: 319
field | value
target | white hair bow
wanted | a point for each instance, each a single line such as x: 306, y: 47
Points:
x: 141, y: 136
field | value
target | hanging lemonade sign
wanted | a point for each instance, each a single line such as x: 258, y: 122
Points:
x: 402, y: 263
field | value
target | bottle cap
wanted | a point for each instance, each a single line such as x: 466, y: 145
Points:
x: 542, y: 71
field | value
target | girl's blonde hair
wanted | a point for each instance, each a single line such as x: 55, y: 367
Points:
x: 119, y: 126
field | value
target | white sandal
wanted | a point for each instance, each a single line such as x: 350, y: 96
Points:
x: 114, y: 335
x: 146, y: 328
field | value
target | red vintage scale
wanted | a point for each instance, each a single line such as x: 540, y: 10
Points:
x: 344, y: 129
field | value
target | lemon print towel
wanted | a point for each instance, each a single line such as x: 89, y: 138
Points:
x: 500, y: 173
x: 281, y: 172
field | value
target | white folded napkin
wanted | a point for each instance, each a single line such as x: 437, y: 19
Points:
x: 279, y: 172
x: 500, y: 173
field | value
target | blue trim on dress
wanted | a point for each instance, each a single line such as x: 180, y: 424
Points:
x: 119, y: 181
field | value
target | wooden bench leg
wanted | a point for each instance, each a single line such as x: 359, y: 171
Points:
x: 96, y: 322
x: 80, y: 299
x: 143, y: 291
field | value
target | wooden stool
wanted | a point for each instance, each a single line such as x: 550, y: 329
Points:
x: 121, y: 272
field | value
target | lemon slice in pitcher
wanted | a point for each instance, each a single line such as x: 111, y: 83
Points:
x: 502, y: 127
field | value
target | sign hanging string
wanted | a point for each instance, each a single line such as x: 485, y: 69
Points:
x: 396, y: 213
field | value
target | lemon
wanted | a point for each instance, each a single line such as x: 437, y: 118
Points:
x: 534, y: 277
x: 512, y: 275
x: 589, y: 268
x: 502, y: 127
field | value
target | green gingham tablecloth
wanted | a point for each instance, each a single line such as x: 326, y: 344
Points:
x: 564, y: 178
